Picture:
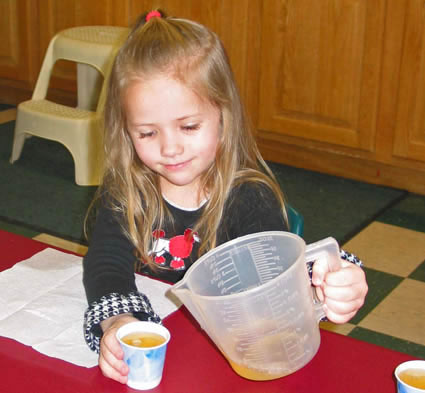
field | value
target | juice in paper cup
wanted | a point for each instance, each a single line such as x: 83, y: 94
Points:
x: 411, y: 377
x: 144, y: 345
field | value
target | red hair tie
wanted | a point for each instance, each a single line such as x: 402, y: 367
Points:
x: 153, y: 14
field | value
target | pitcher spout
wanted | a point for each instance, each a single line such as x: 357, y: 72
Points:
x: 181, y: 291
x: 179, y: 296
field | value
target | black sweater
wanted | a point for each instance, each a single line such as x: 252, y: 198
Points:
x: 110, y: 262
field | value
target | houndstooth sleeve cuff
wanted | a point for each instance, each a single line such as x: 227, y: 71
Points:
x: 111, y: 305
x: 351, y: 258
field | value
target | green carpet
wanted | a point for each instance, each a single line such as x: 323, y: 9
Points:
x: 333, y: 206
x: 409, y: 213
x: 38, y: 192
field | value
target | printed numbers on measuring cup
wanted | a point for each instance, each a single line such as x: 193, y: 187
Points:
x: 264, y: 239
x: 217, y: 276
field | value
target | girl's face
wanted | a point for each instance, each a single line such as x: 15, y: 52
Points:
x: 174, y: 133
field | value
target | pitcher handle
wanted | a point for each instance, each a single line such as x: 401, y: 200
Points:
x: 327, y: 248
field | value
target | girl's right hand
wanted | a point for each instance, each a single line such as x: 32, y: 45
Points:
x: 111, y: 354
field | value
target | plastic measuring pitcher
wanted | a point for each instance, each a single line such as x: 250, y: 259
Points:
x: 254, y: 299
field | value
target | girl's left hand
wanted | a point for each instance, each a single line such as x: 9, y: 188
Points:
x: 343, y: 291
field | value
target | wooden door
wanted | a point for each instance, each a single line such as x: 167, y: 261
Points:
x: 320, y: 71
x: 409, y: 134
x: 18, y: 48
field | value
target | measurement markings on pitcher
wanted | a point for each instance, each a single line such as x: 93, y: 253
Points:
x: 292, y: 348
x: 233, y: 316
x: 226, y: 275
x: 267, y: 262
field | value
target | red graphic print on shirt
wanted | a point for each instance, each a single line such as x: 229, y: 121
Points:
x: 178, y: 247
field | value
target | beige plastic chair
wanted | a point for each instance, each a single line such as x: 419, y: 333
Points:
x: 78, y: 129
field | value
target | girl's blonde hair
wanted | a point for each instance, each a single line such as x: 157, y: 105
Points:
x: 193, y: 55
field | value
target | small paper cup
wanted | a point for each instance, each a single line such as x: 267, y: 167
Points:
x: 403, y: 387
x: 145, y: 364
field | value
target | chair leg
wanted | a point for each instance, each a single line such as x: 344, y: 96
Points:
x: 89, y: 85
x: 18, y: 144
x: 87, y: 170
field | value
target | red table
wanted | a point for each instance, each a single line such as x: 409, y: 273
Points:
x: 193, y: 363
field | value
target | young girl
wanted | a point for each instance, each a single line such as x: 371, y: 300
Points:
x: 183, y: 175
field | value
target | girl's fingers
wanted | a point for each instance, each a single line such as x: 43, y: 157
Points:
x: 339, y: 318
x: 345, y: 294
x: 110, y: 358
x: 339, y: 307
x: 349, y: 274
x: 338, y: 310
x: 110, y: 342
x: 320, y: 269
x: 109, y: 371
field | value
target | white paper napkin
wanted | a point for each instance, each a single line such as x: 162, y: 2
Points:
x: 42, y: 304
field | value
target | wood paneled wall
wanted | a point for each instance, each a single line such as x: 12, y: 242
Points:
x: 19, y: 55
x: 344, y: 90
x: 334, y: 86
x: 28, y: 26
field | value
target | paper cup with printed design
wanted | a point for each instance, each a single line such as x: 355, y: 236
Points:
x: 144, y: 345
x: 411, y: 377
